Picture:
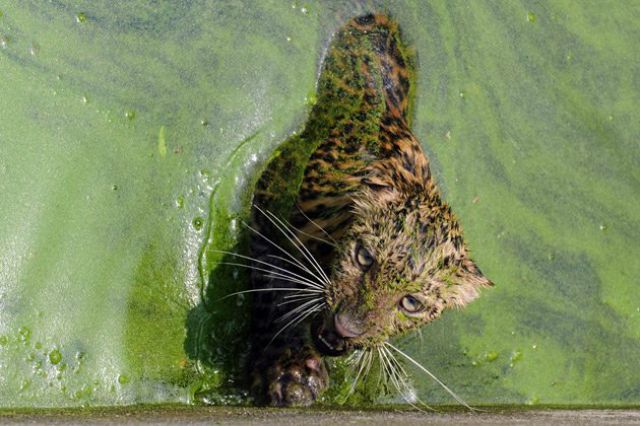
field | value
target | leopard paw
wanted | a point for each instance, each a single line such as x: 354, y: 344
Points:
x: 295, y: 382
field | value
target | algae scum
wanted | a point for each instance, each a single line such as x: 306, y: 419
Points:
x: 131, y: 136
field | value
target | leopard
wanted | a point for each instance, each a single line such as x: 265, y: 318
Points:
x: 351, y: 241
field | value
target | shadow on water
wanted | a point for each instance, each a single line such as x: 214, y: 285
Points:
x: 217, y: 333
x: 218, y: 327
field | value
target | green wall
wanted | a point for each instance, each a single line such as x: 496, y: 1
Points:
x: 131, y: 132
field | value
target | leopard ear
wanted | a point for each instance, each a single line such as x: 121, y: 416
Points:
x: 472, y: 275
x: 468, y: 281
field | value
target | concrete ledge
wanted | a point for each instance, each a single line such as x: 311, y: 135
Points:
x: 184, y: 415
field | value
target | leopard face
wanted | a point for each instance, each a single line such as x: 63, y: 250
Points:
x: 402, y: 262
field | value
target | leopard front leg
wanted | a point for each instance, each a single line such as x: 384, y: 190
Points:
x: 290, y: 377
x: 286, y: 368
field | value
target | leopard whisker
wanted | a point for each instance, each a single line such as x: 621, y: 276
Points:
x: 293, y: 280
x: 396, y: 379
x: 279, y: 275
x: 297, y: 266
x: 401, y: 382
x: 291, y: 236
x: 395, y: 363
x: 389, y: 373
x: 298, y: 244
x: 334, y: 242
x: 275, y: 221
x: 369, y: 364
x: 294, y: 297
x: 256, y: 290
x: 297, y: 299
x: 295, y: 321
x: 382, y: 372
x: 358, y: 353
x: 253, y: 259
x: 431, y: 375
x: 361, y: 361
x: 298, y: 309
x: 272, y: 243
x: 315, y: 237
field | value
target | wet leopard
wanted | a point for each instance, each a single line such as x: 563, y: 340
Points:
x: 352, y: 243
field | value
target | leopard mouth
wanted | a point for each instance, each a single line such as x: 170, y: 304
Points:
x: 326, y: 339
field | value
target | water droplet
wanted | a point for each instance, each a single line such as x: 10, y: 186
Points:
x: 55, y: 357
x: 130, y: 114
x: 197, y: 223
x: 25, y: 334
x: 123, y: 379
x: 34, y: 49
x: 531, y: 17
x: 491, y: 356
x: 81, y: 17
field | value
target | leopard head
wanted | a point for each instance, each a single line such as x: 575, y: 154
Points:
x: 400, y: 264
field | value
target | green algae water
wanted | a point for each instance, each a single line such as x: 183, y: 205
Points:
x: 131, y: 136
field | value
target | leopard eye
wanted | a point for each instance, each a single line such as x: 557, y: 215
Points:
x: 364, y: 258
x: 411, y: 305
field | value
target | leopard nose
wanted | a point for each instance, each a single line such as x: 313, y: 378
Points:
x: 346, y: 327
